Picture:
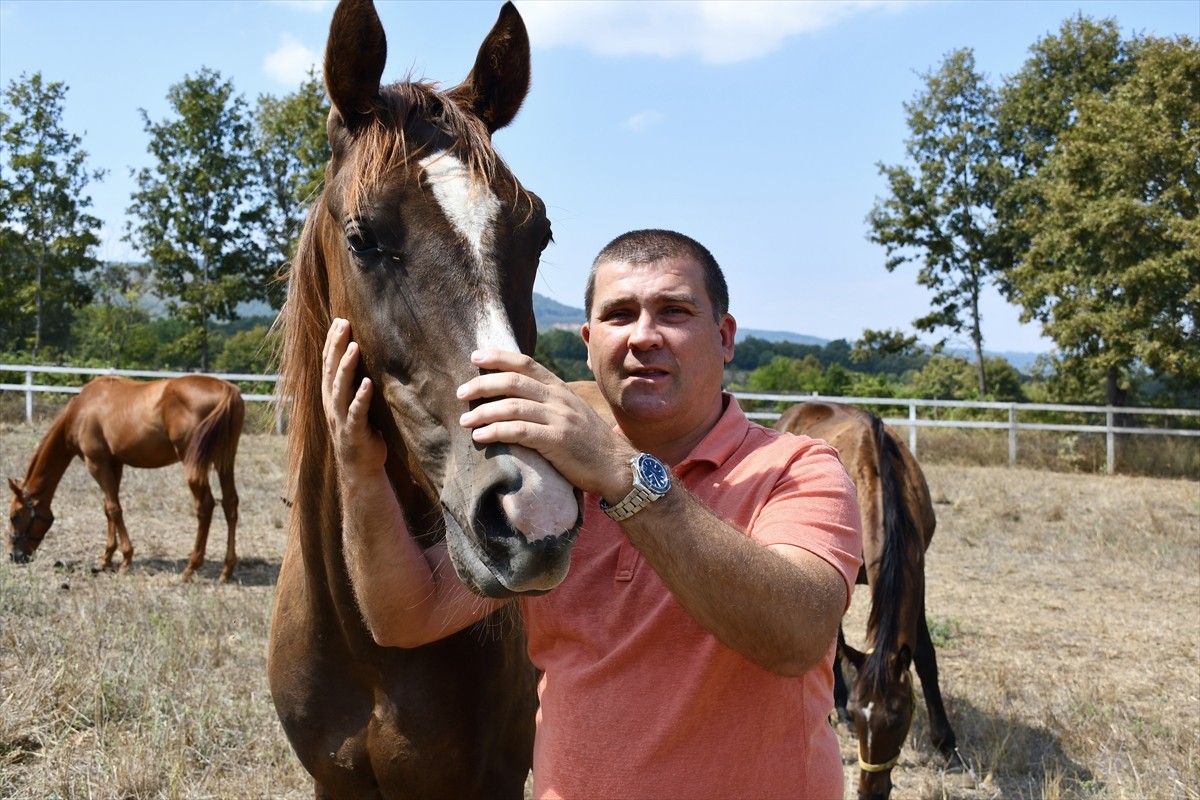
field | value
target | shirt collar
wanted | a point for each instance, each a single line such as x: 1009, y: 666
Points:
x: 724, y: 438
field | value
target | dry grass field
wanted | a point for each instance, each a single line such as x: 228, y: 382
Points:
x: 1066, y: 608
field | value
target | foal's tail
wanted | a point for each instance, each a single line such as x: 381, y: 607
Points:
x: 215, y: 440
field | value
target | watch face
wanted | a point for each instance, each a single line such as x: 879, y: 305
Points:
x: 654, y: 474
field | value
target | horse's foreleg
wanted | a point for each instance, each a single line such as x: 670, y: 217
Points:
x: 204, y: 505
x: 229, y: 504
x: 940, y: 732
x: 108, y: 475
x: 841, y: 694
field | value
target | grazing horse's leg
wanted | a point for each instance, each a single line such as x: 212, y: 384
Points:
x: 197, y: 479
x: 841, y: 694
x: 229, y: 504
x: 108, y: 476
x: 940, y: 732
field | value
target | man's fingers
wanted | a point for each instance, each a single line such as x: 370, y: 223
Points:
x: 360, y: 404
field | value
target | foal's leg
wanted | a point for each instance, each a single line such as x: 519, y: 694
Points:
x: 940, y: 732
x: 108, y: 476
x: 197, y: 479
x: 229, y: 504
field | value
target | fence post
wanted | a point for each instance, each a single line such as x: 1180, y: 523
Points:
x: 912, y: 428
x: 1012, y: 435
x: 1110, y: 439
x: 29, y: 396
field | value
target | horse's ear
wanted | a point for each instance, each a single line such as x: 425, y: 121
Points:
x: 354, y: 59
x: 16, y: 486
x: 855, y: 657
x: 499, y: 80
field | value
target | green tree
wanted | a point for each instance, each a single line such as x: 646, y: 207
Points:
x: 114, y: 329
x: 248, y: 352
x: 1037, y: 104
x: 291, y: 150
x: 940, y: 211
x: 194, y: 216
x: 949, y: 378
x: 47, y: 238
x: 563, y: 353
x: 1112, y: 268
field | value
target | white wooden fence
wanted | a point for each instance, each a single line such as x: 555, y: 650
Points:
x: 911, y: 421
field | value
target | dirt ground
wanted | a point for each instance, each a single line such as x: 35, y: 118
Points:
x: 1066, y: 609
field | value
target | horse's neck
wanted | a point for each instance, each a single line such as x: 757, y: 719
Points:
x: 51, y: 459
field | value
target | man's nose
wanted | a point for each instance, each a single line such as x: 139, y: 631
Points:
x: 645, y: 333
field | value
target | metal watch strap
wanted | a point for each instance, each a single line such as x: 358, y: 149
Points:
x: 637, y: 499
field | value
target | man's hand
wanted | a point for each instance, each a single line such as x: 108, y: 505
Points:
x: 535, y: 409
x: 358, y: 448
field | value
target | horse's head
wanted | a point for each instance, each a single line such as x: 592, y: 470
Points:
x: 29, y: 522
x: 881, y: 706
x: 429, y: 246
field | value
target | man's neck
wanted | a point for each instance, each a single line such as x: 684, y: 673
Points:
x: 667, y: 442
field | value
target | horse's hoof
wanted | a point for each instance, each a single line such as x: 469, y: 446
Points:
x: 955, y: 764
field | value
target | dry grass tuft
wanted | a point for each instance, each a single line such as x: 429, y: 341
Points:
x: 1066, y: 608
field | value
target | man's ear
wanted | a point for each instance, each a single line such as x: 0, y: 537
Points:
x: 586, y: 333
x: 728, y: 336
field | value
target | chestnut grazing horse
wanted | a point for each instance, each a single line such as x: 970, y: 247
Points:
x: 113, y: 423
x: 427, y: 243
x: 898, y: 523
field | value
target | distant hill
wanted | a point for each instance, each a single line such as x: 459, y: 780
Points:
x: 553, y: 314
x: 780, y: 336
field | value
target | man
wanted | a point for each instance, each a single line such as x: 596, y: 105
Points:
x: 688, y: 652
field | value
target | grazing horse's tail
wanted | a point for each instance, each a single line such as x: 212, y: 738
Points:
x: 215, y: 439
x: 897, y: 570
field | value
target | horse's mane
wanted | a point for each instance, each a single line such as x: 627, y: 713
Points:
x: 896, y: 573
x: 52, y: 439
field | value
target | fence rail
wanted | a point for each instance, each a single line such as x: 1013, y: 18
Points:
x: 911, y: 421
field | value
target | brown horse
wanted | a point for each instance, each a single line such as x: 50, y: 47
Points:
x: 427, y: 243
x: 898, y: 523
x: 113, y: 423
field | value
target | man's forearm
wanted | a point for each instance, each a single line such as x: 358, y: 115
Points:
x: 779, y: 611
x: 407, y: 596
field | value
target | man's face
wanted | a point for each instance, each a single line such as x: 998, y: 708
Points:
x: 656, y: 351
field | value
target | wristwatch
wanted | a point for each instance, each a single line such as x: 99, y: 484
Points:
x: 651, y: 480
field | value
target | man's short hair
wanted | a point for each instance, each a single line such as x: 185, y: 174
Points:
x: 648, y: 246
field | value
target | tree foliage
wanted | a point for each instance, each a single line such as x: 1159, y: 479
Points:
x: 1109, y: 261
x: 47, y: 238
x: 194, y: 215
x: 940, y: 209
x: 291, y: 150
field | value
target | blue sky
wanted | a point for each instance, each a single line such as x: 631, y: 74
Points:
x: 753, y: 126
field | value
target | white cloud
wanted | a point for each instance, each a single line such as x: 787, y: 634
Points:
x: 644, y: 119
x: 290, y: 63
x: 715, y: 31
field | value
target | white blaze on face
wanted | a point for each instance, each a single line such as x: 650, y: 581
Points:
x: 867, y: 716
x: 469, y: 205
x: 545, y: 503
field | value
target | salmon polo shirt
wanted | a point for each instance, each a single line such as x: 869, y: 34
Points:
x: 637, y: 699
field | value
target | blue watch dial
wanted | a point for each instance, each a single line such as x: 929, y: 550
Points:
x: 654, y: 474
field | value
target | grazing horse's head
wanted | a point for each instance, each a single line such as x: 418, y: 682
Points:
x: 30, y: 522
x: 881, y: 706
x: 429, y: 245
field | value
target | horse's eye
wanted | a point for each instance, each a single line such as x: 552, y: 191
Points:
x: 361, y: 240
x: 546, y: 241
